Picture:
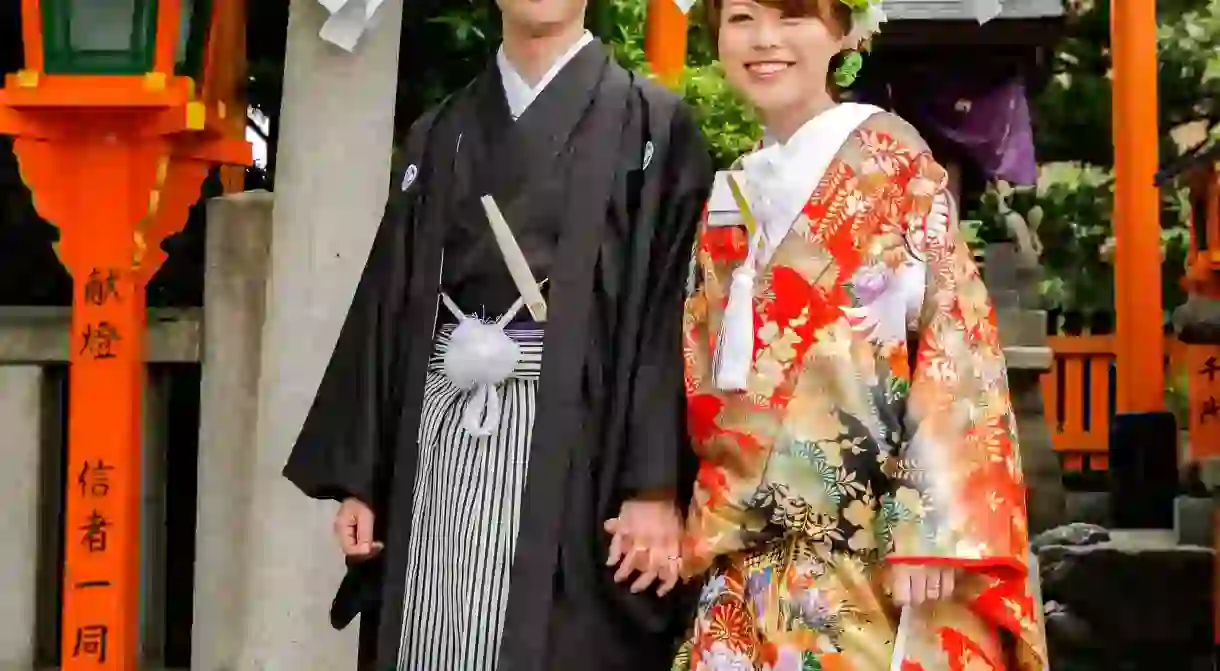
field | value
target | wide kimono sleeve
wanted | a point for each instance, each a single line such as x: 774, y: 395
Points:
x: 657, y: 444
x: 346, y: 440
x: 958, y: 498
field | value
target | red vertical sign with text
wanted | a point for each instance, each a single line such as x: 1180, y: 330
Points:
x: 1203, y: 366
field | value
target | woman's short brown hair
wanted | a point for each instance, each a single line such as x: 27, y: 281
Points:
x: 834, y: 13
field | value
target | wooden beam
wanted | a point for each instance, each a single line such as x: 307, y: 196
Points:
x: 227, y: 79
x: 1000, y: 32
x: 169, y: 22
x: 1137, y: 211
x: 31, y: 35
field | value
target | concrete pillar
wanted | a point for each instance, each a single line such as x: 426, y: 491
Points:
x: 21, y: 419
x: 336, y: 132
x: 238, y: 253
x: 1011, y: 276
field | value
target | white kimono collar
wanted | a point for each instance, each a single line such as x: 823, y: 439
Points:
x: 518, y: 92
x: 780, y: 179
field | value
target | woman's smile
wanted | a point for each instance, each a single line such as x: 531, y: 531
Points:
x: 766, y: 70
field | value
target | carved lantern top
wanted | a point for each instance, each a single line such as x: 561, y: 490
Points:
x: 121, y: 37
x: 124, y: 44
x: 163, y: 57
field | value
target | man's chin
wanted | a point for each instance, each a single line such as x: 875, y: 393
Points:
x: 544, y: 27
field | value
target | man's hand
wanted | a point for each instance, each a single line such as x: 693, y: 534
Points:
x: 646, y: 539
x: 354, y: 529
x: 915, y: 584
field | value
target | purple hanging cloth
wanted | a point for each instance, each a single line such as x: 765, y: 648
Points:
x: 978, y: 116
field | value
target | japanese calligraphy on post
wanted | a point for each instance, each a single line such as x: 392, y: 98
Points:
x: 100, y: 338
x: 1203, y: 366
x: 99, y: 525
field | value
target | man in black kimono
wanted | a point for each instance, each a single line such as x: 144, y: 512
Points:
x: 475, y: 445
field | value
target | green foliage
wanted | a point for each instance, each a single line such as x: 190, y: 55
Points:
x: 1073, y: 132
x: 1073, y: 115
x: 625, y: 32
x: 1189, y: 54
x: 727, y: 121
x: 456, y: 43
x: 1069, y: 211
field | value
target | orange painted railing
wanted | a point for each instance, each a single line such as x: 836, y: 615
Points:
x: 1078, y: 393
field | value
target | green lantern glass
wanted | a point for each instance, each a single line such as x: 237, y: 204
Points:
x: 193, y: 38
x: 99, y: 37
x: 118, y: 37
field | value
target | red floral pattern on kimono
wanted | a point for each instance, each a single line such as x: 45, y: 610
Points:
x: 847, y: 455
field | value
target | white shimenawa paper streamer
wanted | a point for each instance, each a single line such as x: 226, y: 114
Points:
x: 349, y: 19
x: 685, y: 5
x: 985, y: 10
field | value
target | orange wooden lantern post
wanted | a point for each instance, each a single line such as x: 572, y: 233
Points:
x: 665, y: 38
x: 115, y: 130
x: 1203, y: 280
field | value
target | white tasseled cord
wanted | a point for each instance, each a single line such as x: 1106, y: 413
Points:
x: 790, y: 172
x: 735, y: 347
x: 900, y: 640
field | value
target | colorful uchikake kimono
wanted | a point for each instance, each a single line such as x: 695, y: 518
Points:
x: 869, y: 425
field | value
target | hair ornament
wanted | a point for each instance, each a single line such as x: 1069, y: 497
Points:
x: 866, y: 19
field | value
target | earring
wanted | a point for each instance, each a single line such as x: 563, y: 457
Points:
x: 849, y: 69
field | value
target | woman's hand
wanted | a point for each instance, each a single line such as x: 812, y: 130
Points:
x: 913, y: 584
x: 646, y: 539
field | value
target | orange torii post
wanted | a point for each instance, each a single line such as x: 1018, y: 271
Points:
x: 1137, y: 211
x: 1143, y: 455
x: 665, y: 39
x: 114, y: 136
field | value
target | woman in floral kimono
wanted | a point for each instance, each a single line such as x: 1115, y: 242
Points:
x: 860, y: 503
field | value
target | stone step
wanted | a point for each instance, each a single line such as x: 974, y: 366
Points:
x: 1114, y: 598
x: 1088, y: 507
x: 1021, y: 327
x: 1143, y: 539
x: 1193, y: 520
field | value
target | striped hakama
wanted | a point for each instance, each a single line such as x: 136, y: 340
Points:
x: 466, y: 509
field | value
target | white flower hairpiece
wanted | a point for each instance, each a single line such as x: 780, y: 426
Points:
x: 866, y: 19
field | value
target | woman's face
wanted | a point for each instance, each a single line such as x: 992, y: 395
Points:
x: 541, y: 16
x: 779, y: 63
